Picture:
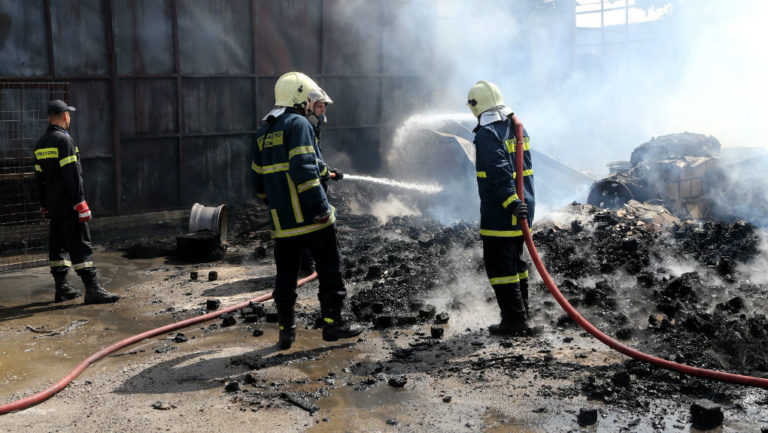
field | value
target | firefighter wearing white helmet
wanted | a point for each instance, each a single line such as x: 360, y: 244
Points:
x: 501, y: 210
x: 318, y: 103
x: 287, y: 177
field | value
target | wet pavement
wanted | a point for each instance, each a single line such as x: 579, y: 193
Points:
x: 395, y: 377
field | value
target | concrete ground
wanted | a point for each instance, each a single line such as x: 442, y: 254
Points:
x: 458, y: 383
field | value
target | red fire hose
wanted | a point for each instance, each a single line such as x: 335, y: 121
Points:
x: 578, y: 318
x: 44, y: 395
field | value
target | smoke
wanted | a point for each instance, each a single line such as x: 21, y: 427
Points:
x: 383, y: 209
x: 698, y: 69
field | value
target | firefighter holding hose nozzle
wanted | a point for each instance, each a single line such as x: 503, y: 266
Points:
x: 286, y: 175
x: 501, y: 209
x: 318, y: 102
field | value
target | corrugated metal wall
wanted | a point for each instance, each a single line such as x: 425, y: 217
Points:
x: 170, y: 92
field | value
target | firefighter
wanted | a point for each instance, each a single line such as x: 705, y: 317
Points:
x: 318, y: 101
x: 286, y: 176
x: 501, y: 210
x: 60, y: 185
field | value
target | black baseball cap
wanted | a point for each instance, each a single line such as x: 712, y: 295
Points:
x: 57, y: 106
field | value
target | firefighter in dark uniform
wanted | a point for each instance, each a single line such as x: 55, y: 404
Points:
x: 501, y: 209
x: 60, y: 185
x: 318, y: 102
x: 287, y: 177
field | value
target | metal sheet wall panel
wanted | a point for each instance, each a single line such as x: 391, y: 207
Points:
x: 79, y: 45
x: 215, y: 36
x: 216, y: 170
x: 356, y: 100
x: 217, y: 104
x: 353, y: 36
x: 23, y: 52
x: 91, y: 124
x: 266, y: 97
x: 147, y: 106
x: 356, y: 149
x: 99, y: 184
x: 143, y: 36
x: 150, y: 174
x: 280, y: 48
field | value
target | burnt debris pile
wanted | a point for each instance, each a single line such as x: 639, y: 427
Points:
x: 399, y: 264
x: 681, y: 289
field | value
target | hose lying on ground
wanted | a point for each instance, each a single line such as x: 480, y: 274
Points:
x: 578, y: 318
x: 44, y: 395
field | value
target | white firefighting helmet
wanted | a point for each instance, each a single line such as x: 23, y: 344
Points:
x: 292, y: 89
x: 483, y: 96
x: 317, y: 95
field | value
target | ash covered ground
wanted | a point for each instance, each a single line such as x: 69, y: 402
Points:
x: 691, y: 292
x: 687, y: 291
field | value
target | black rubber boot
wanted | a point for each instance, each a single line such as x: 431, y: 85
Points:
x: 513, y: 316
x: 524, y: 295
x: 334, y: 326
x: 514, y: 326
x: 286, y: 320
x: 94, y: 293
x: 64, y: 290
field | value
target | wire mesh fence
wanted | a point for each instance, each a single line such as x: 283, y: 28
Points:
x: 23, y: 119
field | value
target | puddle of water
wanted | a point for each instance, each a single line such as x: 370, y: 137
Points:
x: 30, y: 361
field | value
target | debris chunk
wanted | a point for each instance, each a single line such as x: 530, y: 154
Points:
x: 437, y: 331
x: 397, y: 382
x: 193, y: 275
x: 212, y: 304
x: 300, y: 402
x: 442, y: 318
x: 180, y: 338
x: 706, y: 415
x: 213, y: 276
x: 161, y: 405
x: 228, y: 320
x: 232, y: 386
x: 587, y: 417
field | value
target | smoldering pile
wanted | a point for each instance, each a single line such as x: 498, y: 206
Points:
x: 679, y: 290
x: 398, y: 265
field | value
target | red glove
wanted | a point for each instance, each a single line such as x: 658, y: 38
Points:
x: 83, y: 213
x: 44, y: 211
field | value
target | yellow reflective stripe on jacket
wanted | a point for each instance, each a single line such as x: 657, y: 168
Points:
x: 294, y: 200
x: 325, y: 171
x: 509, y: 279
x: 300, y: 150
x: 38, y: 168
x: 512, y: 144
x: 261, y: 196
x: 67, y: 160
x: 83, y: 265
x: 482, y: 174
x: 509, y: 200
x: 501, y: 233
x: 528, y: 172
x: 279, y: 233
x: 267, y: 169
x: 514, y: 220
x: 46, y: 153
x: 58, y: 263
x: 308, y: 184
x: 523, y: 275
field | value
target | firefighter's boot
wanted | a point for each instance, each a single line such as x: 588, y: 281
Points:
x: 334, y: 326
x: 524, y: 295
x: 513, y: 317
x: 64, y: 290
x: 94, y: 293
x: 286, y: 320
